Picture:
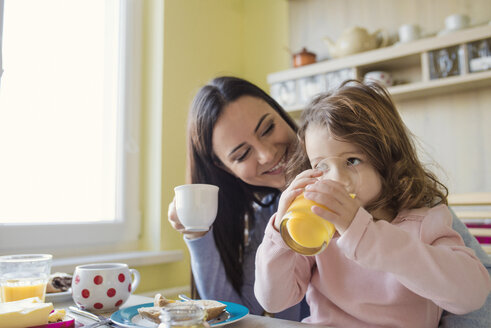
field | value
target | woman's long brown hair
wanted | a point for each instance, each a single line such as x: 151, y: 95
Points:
x: 236, y: 198
x: 365, y: 115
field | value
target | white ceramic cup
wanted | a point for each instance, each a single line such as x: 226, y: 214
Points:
x: 409, y: 32
x: 196, y: 205
x: 456, y: 22
x: 382, y: 77
x: 103, y: 287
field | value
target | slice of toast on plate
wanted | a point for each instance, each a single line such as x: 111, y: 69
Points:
x: 212, y: 308
x: 150, y: 313
x: 153, y: 313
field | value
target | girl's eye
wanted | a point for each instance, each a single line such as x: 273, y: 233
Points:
x: 353, y: 161
x: 269, y: 129
x: 243, y: 156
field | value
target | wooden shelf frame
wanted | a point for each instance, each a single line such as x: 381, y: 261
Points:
x: 399, y: 55
x: 432, y: 87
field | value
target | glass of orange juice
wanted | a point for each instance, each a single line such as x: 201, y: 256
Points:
x: 24, y: 276
x: 302, y: 230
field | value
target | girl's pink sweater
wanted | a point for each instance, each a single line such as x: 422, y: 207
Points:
x: 398, y: 274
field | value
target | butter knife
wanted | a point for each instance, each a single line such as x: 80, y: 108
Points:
x: 100, y: 320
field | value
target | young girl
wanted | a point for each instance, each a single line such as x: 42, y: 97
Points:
x: 395, y: 260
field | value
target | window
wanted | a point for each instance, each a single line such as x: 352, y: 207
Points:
x: 69, y: 118
x: 1, y: 29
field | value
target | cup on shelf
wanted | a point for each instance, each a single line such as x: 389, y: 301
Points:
x: 196, y: 205
x: 456, y: 22
x: 103, y: 287
x: 409, y: 32
x: 24, y: 276
x: 381, y: 77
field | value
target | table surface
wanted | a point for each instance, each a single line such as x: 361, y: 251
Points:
x: 249, y: 321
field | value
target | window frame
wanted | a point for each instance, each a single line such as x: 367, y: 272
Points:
x: 1, y: 38
x: 125, y: 230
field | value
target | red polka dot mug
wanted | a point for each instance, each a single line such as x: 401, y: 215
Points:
x: 103, y: 287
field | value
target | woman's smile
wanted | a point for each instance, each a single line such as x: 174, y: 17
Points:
x: 279, y: 168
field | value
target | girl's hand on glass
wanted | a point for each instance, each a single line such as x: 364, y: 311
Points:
x: 333, y: 195
x: 294, y: 189
x: 176, y: 223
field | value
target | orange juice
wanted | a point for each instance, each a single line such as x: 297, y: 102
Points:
x: 24, y: 276
x: 303, y: 231
x: 14, y: 290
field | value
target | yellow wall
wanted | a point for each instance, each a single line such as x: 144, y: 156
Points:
x: 265, y: 39
x: 187, y: 43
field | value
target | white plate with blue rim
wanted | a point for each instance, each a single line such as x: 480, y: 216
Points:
x: 130, y: 318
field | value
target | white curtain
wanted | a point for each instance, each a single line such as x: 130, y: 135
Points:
x: 1, y: 30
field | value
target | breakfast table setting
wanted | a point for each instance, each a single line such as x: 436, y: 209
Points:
x: 102, y: 295
x: 249, y: 320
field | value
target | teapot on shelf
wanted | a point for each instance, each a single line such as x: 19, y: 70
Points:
x: 356, y: 39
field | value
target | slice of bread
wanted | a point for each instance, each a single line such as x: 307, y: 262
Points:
x: 59, y: 282
x: 212, y: 308
x: 150, y: 313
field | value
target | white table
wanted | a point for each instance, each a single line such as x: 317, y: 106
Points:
x: 249, y: 321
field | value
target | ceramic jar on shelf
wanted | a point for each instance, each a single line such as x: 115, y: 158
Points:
x: 479, y: 54
x: 446, y: 62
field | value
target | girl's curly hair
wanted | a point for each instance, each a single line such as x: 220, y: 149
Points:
x: 364, y: 115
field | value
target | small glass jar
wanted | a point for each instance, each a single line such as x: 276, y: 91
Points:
x: 183, y: 316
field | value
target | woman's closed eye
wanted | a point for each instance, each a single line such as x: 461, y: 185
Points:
x: 243, y: 156
x: 269, y: 129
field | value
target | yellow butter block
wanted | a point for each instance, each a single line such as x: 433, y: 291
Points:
x: 24, y: 313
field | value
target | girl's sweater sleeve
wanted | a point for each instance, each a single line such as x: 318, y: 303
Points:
x: 209, y: 274
x: 435, y: 265
x: 282, y: 276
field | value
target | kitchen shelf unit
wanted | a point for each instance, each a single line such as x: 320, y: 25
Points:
x: 409, y: 64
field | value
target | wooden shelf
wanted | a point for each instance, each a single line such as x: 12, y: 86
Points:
x: 441, y: 86
x: 473, y: 199
x: 407, y: 62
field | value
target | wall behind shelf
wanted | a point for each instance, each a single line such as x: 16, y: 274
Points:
x: 312, y: 20
x: 454, y: 129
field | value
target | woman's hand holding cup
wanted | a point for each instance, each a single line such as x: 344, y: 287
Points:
x: 194, y: 209
x: 177, y: 225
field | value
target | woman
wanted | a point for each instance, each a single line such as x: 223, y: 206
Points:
x: 240, y: 140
